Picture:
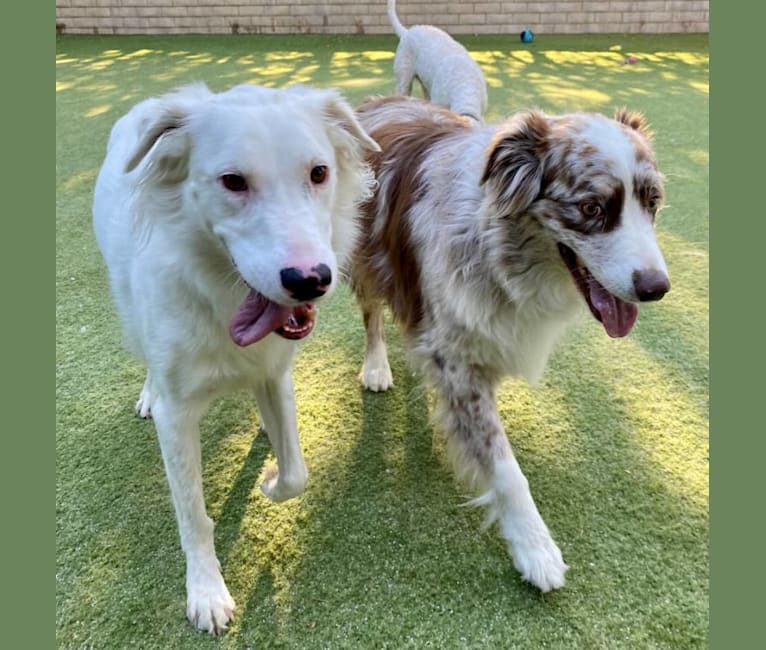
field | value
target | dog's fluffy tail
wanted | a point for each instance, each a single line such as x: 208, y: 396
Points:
x: 400, y: 29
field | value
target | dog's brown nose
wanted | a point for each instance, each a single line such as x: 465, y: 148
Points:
x: 650, y: 285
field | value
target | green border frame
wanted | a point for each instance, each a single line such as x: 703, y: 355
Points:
x: 736, y: 432
x: 28, y: 455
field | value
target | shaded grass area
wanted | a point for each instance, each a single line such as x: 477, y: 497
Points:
x: 377, y: 553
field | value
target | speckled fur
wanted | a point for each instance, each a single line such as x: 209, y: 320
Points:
x: 461, y: 241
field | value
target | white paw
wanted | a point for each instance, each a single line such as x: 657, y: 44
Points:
x: 377, y: 379
x: 209, y: 606
x: 539, y: 563
x: 143, y: 405
x: 278, y: 488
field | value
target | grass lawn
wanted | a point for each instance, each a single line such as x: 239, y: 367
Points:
x: 377, y: 553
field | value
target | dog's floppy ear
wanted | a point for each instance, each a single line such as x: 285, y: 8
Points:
x: 340, y: 115
x: 635, y: 121
x: 514, y: 161
x: 167, y: 120
x: 163, y: 133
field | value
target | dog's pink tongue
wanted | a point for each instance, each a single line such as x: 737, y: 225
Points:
x: 256, y: 317
x: 617, y: 316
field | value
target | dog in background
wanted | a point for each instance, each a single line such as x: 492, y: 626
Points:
x: 488, y: 243
x: 223, y: 218
x: 447, y: 73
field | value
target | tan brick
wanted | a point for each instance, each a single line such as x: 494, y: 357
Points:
x: 99, y: 12
x: 472, y: 19
x: 498, y: 19
x: 485, y: 29
x: 563, y: 7
x: 486, y: 7
x: 435, y: 9
x: 512, y: 5
x: 607, y: 17
x: 459, y: 8
x: 551, y: 19
x: 686, y: 16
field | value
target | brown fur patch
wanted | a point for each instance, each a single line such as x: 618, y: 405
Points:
x: 524, y: 134
x: 640, y: 127
x: 648, y: 190
x: 514, y: 158
x: 385, y: 261
x: 634, y: 120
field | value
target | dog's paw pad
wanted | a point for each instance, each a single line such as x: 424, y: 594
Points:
x: 210, y: 607
x: 540, y: 565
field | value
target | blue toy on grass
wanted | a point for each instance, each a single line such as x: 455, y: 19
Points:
x: 527, y: 36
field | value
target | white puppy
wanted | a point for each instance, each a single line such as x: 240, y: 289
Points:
x: 222, y: 218
x: 448, y: 74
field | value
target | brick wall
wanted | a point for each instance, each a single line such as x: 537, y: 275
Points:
x: 369, y: 16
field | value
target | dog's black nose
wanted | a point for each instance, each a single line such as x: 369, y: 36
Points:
x: 307, y: 286
x: 650, y: 285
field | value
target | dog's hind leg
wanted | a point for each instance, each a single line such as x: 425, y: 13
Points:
x: 404, y: 72
x: 482, y: 456
x: 376, y: 371
x: 209, y: 606
x: 276, y: 403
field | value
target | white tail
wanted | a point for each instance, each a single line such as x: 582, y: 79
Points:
x: 398, y: 27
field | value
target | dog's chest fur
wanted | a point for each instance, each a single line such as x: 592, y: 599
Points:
x: 481, y: 326
x: 192, y: 346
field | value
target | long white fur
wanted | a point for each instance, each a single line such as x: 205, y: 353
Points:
x: 180, y: 249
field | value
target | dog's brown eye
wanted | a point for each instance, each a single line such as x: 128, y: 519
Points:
x: 319, y: 174
x: 234, y: 182
x: 653, y: 204
x: 591, y: 209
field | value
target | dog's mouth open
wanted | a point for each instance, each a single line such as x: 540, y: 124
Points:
x: 616, y: 315
x: 258, y: 317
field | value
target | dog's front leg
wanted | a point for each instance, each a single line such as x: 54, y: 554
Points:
x: 276, y: 402
x: 481, y: 453
x: 376, y: 371
x: 209, y: 606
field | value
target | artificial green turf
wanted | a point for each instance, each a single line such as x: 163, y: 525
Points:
x: 377, y: 553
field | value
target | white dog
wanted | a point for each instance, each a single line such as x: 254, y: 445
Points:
x: 448, y: 74
x: 487, y: 243
x: 222, y: 219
